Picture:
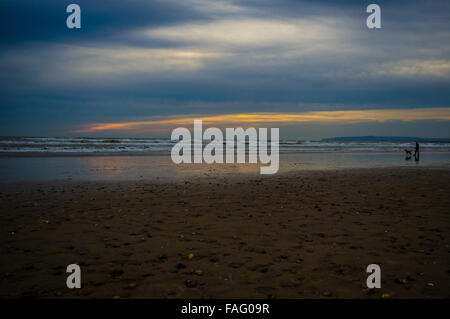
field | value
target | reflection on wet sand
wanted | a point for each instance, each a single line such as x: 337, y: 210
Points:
x: 157, y: 167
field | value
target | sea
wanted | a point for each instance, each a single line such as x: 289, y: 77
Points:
x: 164, y: 145
x: 43, y: 159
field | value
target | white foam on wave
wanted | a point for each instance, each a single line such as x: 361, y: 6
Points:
x: 164, y: 145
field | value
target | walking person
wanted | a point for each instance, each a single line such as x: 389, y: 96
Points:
x: 417, y: 153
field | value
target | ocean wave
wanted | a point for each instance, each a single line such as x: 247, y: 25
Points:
x: 114, y: 145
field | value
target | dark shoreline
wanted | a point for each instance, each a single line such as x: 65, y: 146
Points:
x: 160, y: 153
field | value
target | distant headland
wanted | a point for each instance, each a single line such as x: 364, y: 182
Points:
x: 394, y: 139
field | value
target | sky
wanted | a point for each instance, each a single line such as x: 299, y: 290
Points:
x: 142, y: 67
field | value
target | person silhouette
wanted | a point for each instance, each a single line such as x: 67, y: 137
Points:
x: 417, y: 153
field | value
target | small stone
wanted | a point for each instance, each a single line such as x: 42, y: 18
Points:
x: 191, y: 256
x: 399, y: 281
x: 98, y: 283
x: 127, y: 254
x: 370, y: 291
x: 162, y: 257
x: 190, y: 284
x: 116, y: 272
x: 84, y: 292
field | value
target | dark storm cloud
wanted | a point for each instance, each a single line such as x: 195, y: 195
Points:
x: 30, y: 20
x: 135, y: 58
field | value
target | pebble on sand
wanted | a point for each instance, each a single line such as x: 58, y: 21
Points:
x: 190, y: 284
x: 116, y: 272
x: 162, y: 257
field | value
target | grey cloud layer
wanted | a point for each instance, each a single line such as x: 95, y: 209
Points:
x: 143, y: 58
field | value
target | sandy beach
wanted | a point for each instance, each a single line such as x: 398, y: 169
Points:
x: 301, y: 234
x: 227, y: 150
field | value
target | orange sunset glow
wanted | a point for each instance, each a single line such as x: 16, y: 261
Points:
x: 339, y: 117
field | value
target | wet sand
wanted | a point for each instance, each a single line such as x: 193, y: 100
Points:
x: 115, y: 167
x: 300, y: 234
